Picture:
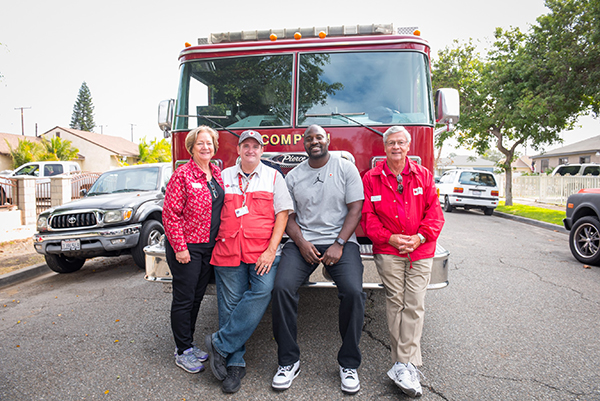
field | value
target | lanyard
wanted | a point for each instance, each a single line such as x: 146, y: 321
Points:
x: 246, y: 188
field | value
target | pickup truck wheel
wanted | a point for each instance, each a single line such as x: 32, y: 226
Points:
x: 584, y: 240
x: 151, y: 232
x: 62, y: 264
x: 447, y: 206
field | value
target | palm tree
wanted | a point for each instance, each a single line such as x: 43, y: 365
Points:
x: 25, y: 152
x: 58, y: 149
x: 155, y: 151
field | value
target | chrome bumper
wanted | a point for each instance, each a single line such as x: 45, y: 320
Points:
x: 157, y: 269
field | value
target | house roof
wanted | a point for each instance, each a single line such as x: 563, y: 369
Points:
x: 522, y: 162
x: 13, y: 140
x: 589, y: 145
x: 115, y: 144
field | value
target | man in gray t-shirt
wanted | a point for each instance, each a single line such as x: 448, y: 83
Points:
x: 328, y: 195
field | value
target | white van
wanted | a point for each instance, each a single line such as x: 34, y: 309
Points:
x: 577, y: 169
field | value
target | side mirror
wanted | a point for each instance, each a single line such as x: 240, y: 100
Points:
x: 165, y: 116
x: 447, y: 103
x: 83, y: 192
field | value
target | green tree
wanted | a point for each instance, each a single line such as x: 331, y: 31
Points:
x: 83, y: 110
x: 58, y: 149
x: 25, y: 152
x: 563, y: 50
x: 154, y: 152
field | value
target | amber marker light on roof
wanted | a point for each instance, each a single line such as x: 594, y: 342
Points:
x: 273, y: 37
x: 322, y: 35
x: 297, y: 36
x: 417, y: 32
x: 187, y: 44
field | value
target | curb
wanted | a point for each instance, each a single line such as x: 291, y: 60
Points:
x: 23, y: 274
x: 541, y: 224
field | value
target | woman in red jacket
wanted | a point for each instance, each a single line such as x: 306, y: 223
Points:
x: 403, y: 218
x: 191, y: 217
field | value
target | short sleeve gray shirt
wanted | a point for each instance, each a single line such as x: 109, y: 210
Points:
x: 321, y: 196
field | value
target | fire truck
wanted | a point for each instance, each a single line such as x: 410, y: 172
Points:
x: 354, y: 81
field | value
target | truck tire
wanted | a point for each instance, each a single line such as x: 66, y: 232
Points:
x: 447, y: 206
x: 62, y: 264
x: 151, y: 232
x: 584, y: 240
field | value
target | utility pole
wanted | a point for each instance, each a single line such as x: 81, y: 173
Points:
x: 102, y: 129
x: 132, y: 125
x: 22, y: 125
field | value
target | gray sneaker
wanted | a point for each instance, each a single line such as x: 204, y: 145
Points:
x: 198, y: 353
x: 188, y: 361
x: 218, y: 363
x: 350, y: 382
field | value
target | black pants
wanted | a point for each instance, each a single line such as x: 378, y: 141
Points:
x: 189, y: 285
x: 292, y: 272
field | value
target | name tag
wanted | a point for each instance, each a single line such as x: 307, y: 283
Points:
x: 418, y: 191
x: 376, y: 198
x: 241, y: 211
x: 196, y: 185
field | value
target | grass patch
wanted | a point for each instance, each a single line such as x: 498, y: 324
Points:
x: 534, y: 212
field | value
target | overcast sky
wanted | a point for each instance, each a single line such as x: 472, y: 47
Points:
x: 126, y: 51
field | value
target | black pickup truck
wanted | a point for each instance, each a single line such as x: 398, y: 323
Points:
x: 121, y: 213
x: 583, y: 222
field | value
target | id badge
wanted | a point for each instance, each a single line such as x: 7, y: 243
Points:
x: 241, y: 211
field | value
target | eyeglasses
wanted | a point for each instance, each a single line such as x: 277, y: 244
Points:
x: 400, y: 186
x: 212, y: 188
x: 394, y: 143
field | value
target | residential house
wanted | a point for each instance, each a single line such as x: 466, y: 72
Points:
x: 586, y: 151
x: 13, y: 141
x: 521, y: 166
x: 99, y: 152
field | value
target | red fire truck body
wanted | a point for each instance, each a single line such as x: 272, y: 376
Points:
x: 354, y: 81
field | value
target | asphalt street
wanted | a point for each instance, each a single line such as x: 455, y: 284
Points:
x: 519, y: 321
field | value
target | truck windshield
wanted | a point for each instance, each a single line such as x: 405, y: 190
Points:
x: 373, y: 88
x: 370, y: 87
x: 247, y: 91
x: 128, y: 180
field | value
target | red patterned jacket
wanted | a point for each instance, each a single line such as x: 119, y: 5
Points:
x: 188, y: 206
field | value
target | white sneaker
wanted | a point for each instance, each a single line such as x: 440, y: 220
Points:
x: 406, y: 376
x: 350, y: 382
x: 285, y: 376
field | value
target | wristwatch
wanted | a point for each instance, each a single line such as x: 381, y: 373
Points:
x: 421, y: 237
x: 340, y: 241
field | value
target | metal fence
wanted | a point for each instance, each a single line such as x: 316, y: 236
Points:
x: 82, y: 181
x: 547, y: 189
x: 8, y: 192
x: 43, y: 198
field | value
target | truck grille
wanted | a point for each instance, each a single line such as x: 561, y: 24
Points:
x: 73, y: 220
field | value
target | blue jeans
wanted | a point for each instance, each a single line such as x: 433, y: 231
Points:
x: 243, y: 297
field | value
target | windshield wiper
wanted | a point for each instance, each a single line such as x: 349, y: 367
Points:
x: 345, y: 115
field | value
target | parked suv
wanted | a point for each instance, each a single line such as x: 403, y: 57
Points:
x: 577, y: 169
x: 469, y: 189
x: 121, y: 213
x: 583, y: 222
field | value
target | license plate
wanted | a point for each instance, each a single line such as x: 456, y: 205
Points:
x: 70, y: 244
x: 476, y: 193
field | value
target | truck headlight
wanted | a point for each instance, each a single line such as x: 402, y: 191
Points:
x: 42, y: 223
x: 115, y: 216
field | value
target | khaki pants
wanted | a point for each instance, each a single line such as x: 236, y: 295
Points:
x: 405, y: 290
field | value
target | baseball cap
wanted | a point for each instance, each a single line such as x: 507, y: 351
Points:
x: 251, y: 134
